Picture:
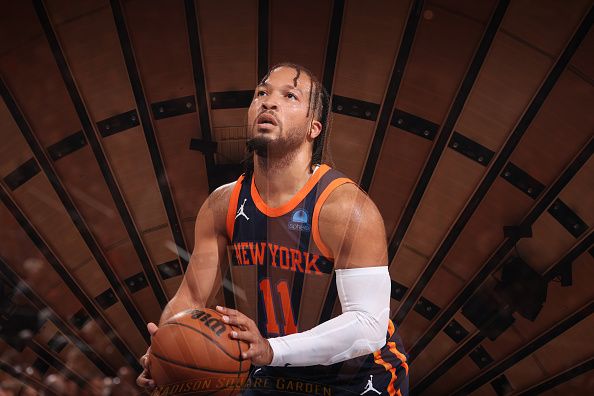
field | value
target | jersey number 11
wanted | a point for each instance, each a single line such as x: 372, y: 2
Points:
x: 282, y: 289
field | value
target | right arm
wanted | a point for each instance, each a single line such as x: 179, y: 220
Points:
x: 198, y: 287
x: 203, y: 275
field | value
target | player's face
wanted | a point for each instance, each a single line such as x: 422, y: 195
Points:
x: 278, y: 117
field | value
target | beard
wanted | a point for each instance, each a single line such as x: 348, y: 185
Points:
x: 285, y: 145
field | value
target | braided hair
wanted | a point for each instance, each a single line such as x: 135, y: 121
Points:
x: 319, y: 104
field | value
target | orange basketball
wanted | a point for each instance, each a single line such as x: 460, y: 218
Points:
x: 193, y: 353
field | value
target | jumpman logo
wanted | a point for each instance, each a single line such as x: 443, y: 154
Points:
x: 240, y: 212
x: 369, y: 386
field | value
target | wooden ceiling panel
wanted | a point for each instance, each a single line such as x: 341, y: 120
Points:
x: 119, y: 319
x: 30, y: 72
x: 299, y: 34
x: 158, y: 242
x: 440, y: 348
x: 130, y: 160
x: 90, y: 279
x: 228, y: 33
x: 579, y: 194
x: 413, y: 328
x: 569, y: 348
x: 370, y: 37
x: 348, y: 142
x: 582, y: 383
x: 64, y: 11
x: 186, y: 171
x: 508, y: 79
x: 230, y: 118
x: 14, y: 150
x: 477, y: 10
x: 503, y: 205
x: 90, y: 45
x: 446, y: 287
x: 463, y: 371
x: 444, y: 39
x: 188, y: 227
x: 68, y: 354
x: 99, y: 342
x: 547, y: 26
x: 406, y: 269
x: 525, y: 373
x: 147, y: 304
x: 38, y: 201
x: 544, y: 151
x: 159, y: 35
x: 160, y: 39
x: 548, y: 243
x: 171, y: 285
x: 583, y: 60
x: 400, y: 161
x: 451, y: 185
x: 81, y: 176
x: 16, y: 18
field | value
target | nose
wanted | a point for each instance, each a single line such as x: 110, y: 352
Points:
x: 269, y: 103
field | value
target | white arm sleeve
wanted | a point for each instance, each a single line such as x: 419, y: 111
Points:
x: 361, y: 328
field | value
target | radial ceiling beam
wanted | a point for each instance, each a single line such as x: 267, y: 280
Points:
x: 392, y: 92
x: 328, y: 83
x: 527, y: 349
x: 263, y: 31
x: 497, y: 166
x: 87, y: 302
x: 91, y: 136
x: 201, y: 93
x: 468, y: 346
x: 504, y: 248
x: 149, y: 132
x: 70, y: 208
x: 447, y: 128
x: 16, y: 282
x: 560, y: 378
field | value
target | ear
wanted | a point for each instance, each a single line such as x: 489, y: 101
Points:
x: 315, y: 128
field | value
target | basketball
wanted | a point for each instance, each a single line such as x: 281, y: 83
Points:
x: 193, y: 353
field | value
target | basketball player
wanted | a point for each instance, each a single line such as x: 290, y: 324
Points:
x: 307, y: 235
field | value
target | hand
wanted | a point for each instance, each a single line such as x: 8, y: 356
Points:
x: 260, y: 351
x: 144, y: 380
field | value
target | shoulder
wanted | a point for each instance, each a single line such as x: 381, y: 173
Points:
x: 349, y: 199
x: 216, y: 205
x: 349, y: 219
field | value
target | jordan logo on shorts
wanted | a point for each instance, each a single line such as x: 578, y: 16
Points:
x: 369, y: 386
x: 240, y: 212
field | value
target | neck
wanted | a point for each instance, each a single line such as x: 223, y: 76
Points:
x: 278, y: 179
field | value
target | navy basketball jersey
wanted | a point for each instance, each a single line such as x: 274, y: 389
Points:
x: 282, y: 273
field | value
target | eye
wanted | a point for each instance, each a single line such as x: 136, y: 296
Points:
x: 291, y: 95
x: 260, y: 93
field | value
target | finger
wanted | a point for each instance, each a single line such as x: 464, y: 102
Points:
x: 144, y: 380
x: 251, y: 352
x: 247, y: 336
x: 152, y: 328
x: 227, y: 311
x: 237, y: 320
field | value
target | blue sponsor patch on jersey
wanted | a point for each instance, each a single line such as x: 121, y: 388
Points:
x: 299, y: 221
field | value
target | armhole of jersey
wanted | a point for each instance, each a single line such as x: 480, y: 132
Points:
x: 233, y: 207
x: 316, y: 214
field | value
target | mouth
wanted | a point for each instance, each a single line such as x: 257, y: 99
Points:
x: 265, y: 120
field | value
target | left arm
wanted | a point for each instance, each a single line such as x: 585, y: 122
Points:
x: 358, y: 243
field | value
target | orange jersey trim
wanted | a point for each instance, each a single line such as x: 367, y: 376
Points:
x: 286, y: 208
x: 392, y: 370
x: 315, y: 230
x: 233, y: 207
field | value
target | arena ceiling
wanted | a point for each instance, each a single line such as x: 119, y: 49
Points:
x: 469, y: 123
